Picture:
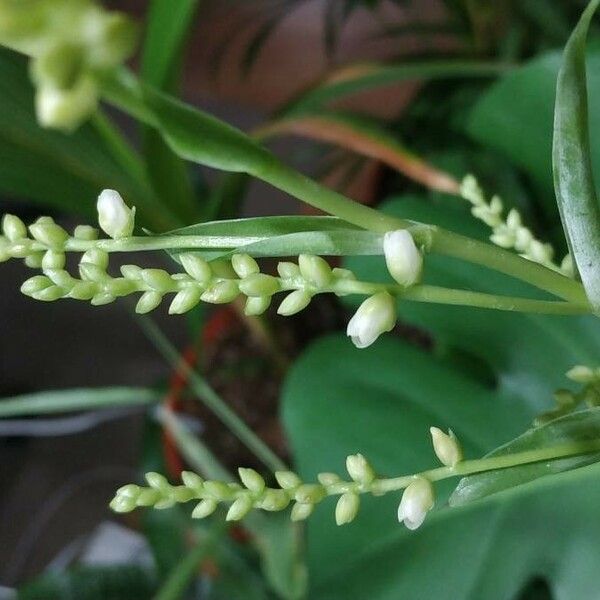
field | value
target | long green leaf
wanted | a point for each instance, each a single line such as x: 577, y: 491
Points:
x: 573, y: 176
x: 579, y: 427
x: 357, y: 78
x: 76, y: 399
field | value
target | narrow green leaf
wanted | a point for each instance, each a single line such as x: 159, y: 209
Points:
x: 573, y: 176
x: 76, y: 399
x: 582, y: 426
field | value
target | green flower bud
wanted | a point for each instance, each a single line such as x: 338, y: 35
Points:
x: 315, y: 269
x: 222, y: 268
x: 346, y: 508
x: 300, y: 512
x: 157, y: 481
x: 14, y: 229
x: 157, y: 279
x: 131, y: 490
x: 309, y: 493
x: 35, y: 284
x: 288, y: 270
x: 102, y: 298
x: 84, y: 290
x: 66, y: 109
x: 122, y: 504
x: 565, y: 398
x: 86, y: 233
x: 60, y: 277
x: 343, y: 274
x: 60, y: 67
x: 328, y: 479
x: 115, y: 39
x: 95, y: 256
x: 287, y: 480
x: 119, y: 286
x: 582, y: 374
x: 259, y: 284
x: 33, y: 261
x: 193, y: 481
x: 359, y: 469
x: 49, y: 294
x: 181, y: 494
x: 218, y: 490
x: 256, y: 305
x: 148, y: 497
x: 204, y: 508
x: 50, y: 234
x: 53, y: 259
x: 20, y: 249
x: 221, y: 292
x: 252, y: 480
x: 164, y: 503
x: 148, y: 302
x: 115, y: 218
x: 240, y: 508
x: 196, y: 267
x: 446, y: 447
x: 294, y: 303
x: 185, y: 300
x: 244, y: 265
x: 131, y: 272
x: 274, y: 500
x: 92, y: 272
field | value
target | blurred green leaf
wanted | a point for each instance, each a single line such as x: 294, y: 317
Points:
x: 380, y: 402
x: 578, y: 427
x: 66, y: 172
x: 92, y: 583
x: 572, y: 162
x: 168, y: 26
x: 55, y: 401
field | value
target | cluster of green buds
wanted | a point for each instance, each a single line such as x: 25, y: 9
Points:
x: 567, y: 401
x: 252, y: 491
x: 44, y: 244
x: 510, y: 232
x: 72, y: 43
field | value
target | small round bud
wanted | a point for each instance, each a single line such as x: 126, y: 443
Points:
x: 293, y: 303
x: 359, y: 469
x: 185, y: 300
x: 196, y: 267
x: 148, y: 302
x: 315, y: 269
x: 300, y: 512
x: 259, y: 284
x: 256, y: 305
x: 97, y: 257
x: 204, y: 508
x: 346, y: 508
x: 13, y: 228
x: 244, y: 265
x: 417, y: 501
x: 50, y: 234
x: 446, y: 447
x: 240, y: 508
x: 252, y: 480
x: 287, y: 480
x: 402, y: 257
x: 115, y: 218
x: 221, y: 292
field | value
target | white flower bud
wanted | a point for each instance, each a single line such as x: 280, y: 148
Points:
x: 346, y: 508
x: 293, y: 303
x: 300, y: 512
x: 374, y: 316
x: 13, y: 228
x: 581, y: 374
x: 359, y: 469
x: 402, y: 257
x: 115, y: 218
x: 287, y: 479
x: 446, y: 447
x: 417, y: 500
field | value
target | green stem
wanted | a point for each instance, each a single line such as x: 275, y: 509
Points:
x: 469, y: 467
x: 211, y: 399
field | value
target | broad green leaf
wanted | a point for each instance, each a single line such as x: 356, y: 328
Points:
x: 582, y: 426
x: 527, y: 353
x: 168, y: 26
x: 522, y: 130
x: 76, y: 399
x: 573, y: 173
x: 381, y: 401
x: 66, y: 172
x: 360, y: 77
